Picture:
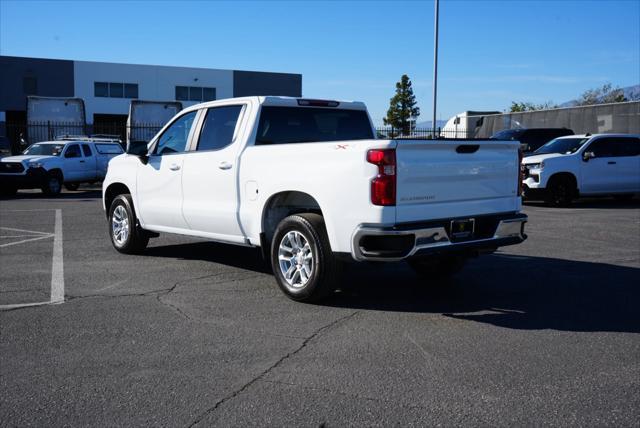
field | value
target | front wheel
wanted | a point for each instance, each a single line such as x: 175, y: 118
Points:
x: 560, y: 193
x: 125, y: 235
x: 301, y: 258
x: 624, y: 197
x: 8, y: 191
x: 52, y: 185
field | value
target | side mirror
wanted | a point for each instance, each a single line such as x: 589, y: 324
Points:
x: 588, y: 155
x: 139, y: 148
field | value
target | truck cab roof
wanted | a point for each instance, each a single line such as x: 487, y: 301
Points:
x: 281, y: 101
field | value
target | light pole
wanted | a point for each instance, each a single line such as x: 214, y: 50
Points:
x: 435, y: 68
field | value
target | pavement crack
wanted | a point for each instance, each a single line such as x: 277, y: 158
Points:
x: 275, y: 365
x: 161, y: 291
x: 170, y: 290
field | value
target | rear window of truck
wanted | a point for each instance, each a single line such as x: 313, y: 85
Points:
x: 286, y: 125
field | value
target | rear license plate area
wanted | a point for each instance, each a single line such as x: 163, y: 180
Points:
x: 462, y: 230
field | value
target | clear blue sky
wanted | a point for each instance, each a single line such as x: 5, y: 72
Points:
x: 491, y: 52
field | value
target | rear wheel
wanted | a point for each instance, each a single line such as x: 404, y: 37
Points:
x: 8, y: 191
x: 126, y: 236
x: 560, y: 192
x: 623, y: 198
x: 301, y: 258
x: 72, y: 186
x: 437, y: 267
x: 52, y: 185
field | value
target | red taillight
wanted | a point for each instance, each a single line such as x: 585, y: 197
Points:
x: 383, y: 187
x: 520, y: 175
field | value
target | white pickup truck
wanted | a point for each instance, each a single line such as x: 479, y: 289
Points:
x: 583, y: 165
x: 50, y: 164
x: 307, y: 181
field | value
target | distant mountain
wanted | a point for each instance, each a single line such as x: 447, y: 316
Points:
x: 631, y: 93
x: 427, y: 124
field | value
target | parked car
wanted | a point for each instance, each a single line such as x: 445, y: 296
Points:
x: 5, y: 147
x: 48, y: 165
x: 308, y: 183
x: 531, y: 139
x: 583, y: 165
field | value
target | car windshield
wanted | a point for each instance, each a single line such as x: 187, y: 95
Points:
x: 561, y: 145
x: 507, y: 134
x: 45, y: 149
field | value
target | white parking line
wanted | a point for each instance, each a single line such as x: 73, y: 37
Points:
x: 24, y: 240
x: 15, y: 236
x: 33, y: 235
x: 32, y: 232
x: 23, y: 305
x: 21, y: 211
x: 57, y: 267
x: 57, y: 262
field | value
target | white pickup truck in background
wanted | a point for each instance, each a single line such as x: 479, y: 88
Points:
x: 307, y: 181
x: 50, y: 164
x: 583, y: 165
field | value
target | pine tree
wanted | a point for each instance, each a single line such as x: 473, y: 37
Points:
x: 402, y: 107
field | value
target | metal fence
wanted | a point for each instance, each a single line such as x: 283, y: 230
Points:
x: 421, y: 133
x: 22, y: 134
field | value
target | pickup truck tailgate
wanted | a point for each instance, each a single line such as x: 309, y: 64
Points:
x: 455, y: 178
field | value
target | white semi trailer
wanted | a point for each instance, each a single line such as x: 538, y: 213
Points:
x: 147, y: 117
x: 465, y: 124
x: 52, y: 117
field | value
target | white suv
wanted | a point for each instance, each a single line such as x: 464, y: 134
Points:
x: 583, y: 165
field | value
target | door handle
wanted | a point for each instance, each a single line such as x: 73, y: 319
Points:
x: 81, y: 161
x: 174, y: 167
x: 224, y: 165
x: 611, y: 163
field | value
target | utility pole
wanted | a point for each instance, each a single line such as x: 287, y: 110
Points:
x: 435, y: 68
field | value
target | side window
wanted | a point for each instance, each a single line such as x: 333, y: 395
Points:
x: 109, y: 149
x: 73, y: 151
x: 627, y: 146
x: 86, y: 150
x: 602, y: 148
x: 175, y: 137
x: 218, y: 127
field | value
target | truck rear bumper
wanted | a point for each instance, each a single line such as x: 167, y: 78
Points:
x: 406, y: 240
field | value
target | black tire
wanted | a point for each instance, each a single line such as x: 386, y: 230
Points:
x: 72, y: 186
x: 8, y: 191
x: 52, y: 185
x: 324, y: 269
x: 437, y: 267
x: 136, y: 238
x: 624, y: 197
x: 560, y: 192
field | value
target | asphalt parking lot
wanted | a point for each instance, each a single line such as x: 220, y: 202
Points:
x: 197, y: 333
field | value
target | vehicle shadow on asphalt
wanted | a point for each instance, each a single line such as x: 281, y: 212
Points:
x: 599, y: 203
x: 528, y: 293
x: 230, y: 255
x: 79, y: 194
